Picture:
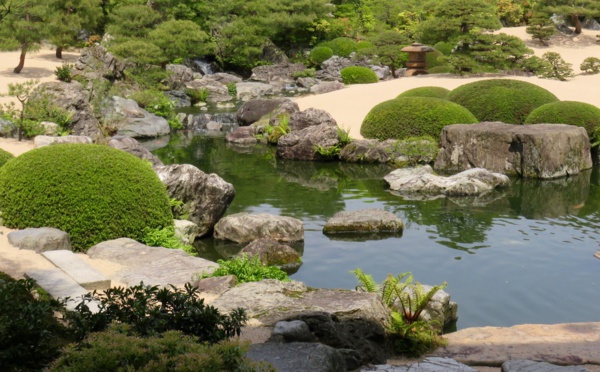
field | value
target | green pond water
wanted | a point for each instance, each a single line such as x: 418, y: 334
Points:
x: 521, y: 255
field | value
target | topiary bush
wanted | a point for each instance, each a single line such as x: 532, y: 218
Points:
x: 320, y: 54
x: 5, y: 156
x: 342, y: 46
x: 406, y: 117
x: 569, y: 112
x: 505, y: 100
x: 358, y: 75
x: 434, y: 92
x: 590, y: 65
x: 94, y: 193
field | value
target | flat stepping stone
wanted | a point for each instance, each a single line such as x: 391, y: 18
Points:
x: 83, y: 273
x: 363, y: 221
x: 60, y: 285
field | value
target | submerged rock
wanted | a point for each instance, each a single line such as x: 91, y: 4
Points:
x: 363, y: 221
x: 273, y: 253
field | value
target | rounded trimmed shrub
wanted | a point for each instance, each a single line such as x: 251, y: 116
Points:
x: 95, y: 193
x: 363, y: 44
x: 567, y: 112
x: 342, y: 46
x: 506, y: 100
x: 434, y: 92
x: 320, y: 54
x: 358, y: 75
x: 432, y: 59
x: 406, y: 117
x: 5, y: 156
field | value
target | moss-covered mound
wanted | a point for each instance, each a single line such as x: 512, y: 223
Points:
x: 406, y: 117
x: 95, y: 193
x: 434, y: 92
x: 505, y: 100
x: 5, y: 156
x: 568, y: 112
x: 358, y: 75
x: 320, y: 54
x: 341, y: 46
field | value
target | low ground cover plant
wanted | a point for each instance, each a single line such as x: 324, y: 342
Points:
x: 247, y: 269
x: 5, y: 156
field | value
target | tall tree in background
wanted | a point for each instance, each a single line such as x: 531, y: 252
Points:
x: 24, y: 27
x: 4, y: 8
x: 572, y: 8
x: 70, y: 17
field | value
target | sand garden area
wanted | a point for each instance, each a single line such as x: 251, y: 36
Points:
x: 574, y: 344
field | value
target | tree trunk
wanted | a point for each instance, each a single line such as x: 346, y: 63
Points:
x: 22, y: 58
x: 577, y: 23
x: 59, y: 52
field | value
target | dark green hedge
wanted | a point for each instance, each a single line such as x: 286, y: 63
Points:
x: 5, y: 156
x: 505, y: 100
x: 320, y: 54
x: 358, y: 75
x: 406, y: 117
x: 94, y: 193
x: 434, y: 92
x: 568, y: 112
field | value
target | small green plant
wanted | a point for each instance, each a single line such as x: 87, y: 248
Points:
x: 328, y: 153
x: 358, y: 75
x: 22, y: 92
x: 344, y: 136
x: 166, y: 238
x: 63, y: 73
x: 247, y: 270
x: 590, y: 65
x: 555, y: 67
x: 156, y: 102
x: 152, y: 310
x: 197, y: 95
x: 407, y: 300
x: 232, y: 89
x: 273, y: 133
x: 309, y: 72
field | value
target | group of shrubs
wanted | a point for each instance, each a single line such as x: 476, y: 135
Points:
x: 425, y: 111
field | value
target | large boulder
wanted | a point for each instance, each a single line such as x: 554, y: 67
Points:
x: 179, y: 74
x: 409, y: 152
x: 310, y: 117
x: 298, y: 356
x: 217, y: 91
x: 41, y: 141
x: 326, y: 87
x: 535, y: 151
x: 246, y: 227
x: 363, y: 221
x: 423, y: 180
x: 330, y: 69
x: 250, y: 90
x: 224, y: 78
x: 273, y: 253
x: 8, y: 129
x: 255, y: 109
x: 205, y: 197
x: 133, y: 120
x: 40, y: 239
x: 71, y: 97
x: 151, y: 265
x: 303, y: 144
x: 97, y: 61
x: 268, y: 73
x: 132, y: 146
x: 242, y: 136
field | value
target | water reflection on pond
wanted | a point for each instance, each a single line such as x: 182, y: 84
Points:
x: 520, y: 255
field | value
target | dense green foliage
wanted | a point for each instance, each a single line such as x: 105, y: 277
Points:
x: 590, y: 65
x: 152, y: 310
x: 5, y: 156
x: 387, y: 49
x: 505, y: 100
x: 434, y: 92
x: 554, y: 67
x: 541, y: 28
x: 156, y: 102
x: 320, y: 54
x: 410, y: 335
x: 574, y: 9
x: 406, y: 117
x: 569, y: 112
x: 94, y: 193
x: 120, y: 349
x: 341, y: 46
x: 358, y: 75
x: 247, y: 270
x: 166, y: 238
x: 30, y: 335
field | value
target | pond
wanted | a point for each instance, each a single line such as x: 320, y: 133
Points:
x: 521, y: 255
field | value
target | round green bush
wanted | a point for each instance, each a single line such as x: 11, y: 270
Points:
x: 95, y: 193
x: 5, y: 156
x: 342, y: 46
x: 320, y: 54
x: 505, y: 100
x: 434, y: 92
x: 432, y: 59
x: 406, y: 117
x: 568, y: 112
x: 363, y: 44
x: 358, y: 75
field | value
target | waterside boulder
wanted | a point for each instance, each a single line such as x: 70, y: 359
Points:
x: 363, y: 221
x: 246, y: 227
x: 134, y: 121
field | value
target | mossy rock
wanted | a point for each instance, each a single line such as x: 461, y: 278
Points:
x: 434, y: 92
x: 320, y: 54
x: 506, y: 100
x: 358, y: 75
x: 5, y: 156
x: 406, y: 117
x: 95, y: 193
x: 568, y: 112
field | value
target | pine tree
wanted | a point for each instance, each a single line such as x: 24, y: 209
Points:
x: 541, y: 28
x: 72, y: 16
x: 572, y: 8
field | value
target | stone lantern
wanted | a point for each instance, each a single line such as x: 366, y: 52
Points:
x: 417, y: 61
